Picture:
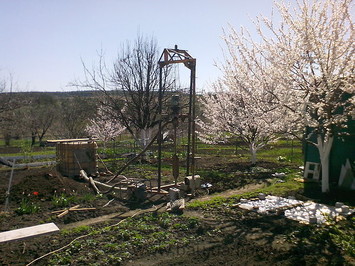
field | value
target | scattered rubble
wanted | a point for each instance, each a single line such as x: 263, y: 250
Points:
x: 279, y: 175
x: 311, y: 212
x: 304, y: 212
x: 268, y: 205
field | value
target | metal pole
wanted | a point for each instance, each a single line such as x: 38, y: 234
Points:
x: 189, y: 128
x: 193, y: 116
x: 160, y: 125
x: 9, y: 187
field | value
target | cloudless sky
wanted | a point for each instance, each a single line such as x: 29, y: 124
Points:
x: 42, y: 42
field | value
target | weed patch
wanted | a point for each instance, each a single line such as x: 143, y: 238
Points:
x: 139, y: 235
x: 62, y: 200
x: 27, y: 207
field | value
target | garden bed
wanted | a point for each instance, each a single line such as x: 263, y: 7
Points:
x: 210, y: 232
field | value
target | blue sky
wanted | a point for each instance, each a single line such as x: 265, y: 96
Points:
x: 42, y: 42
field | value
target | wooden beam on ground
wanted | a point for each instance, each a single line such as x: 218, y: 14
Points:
x: 27, y: 232
x: 162, y: 192
x: 75, y: 208
x: 70, y: 140
x: 166, y: 186
x: 87, y: 179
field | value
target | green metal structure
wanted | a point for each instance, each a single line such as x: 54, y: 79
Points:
x: 343, y: 149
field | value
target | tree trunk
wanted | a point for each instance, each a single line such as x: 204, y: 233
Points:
x: 145, y: 136
x: 324, y: 148
x: 7, y: 137
x: 33, y: 137
x: 252, y: 153
x: 40, y: 137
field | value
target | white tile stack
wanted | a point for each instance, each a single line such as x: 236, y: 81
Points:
x: 305, y: 212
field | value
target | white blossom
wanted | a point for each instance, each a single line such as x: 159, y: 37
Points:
x: 306, y: 65
x: 232, y: 111
x: 104, y: 126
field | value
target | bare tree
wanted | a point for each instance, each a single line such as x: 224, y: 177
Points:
x: 5, y: 95
x: 10, y: 102
x: 38, y: 117
x: 130, y: 87
x: 8, y: 99
x: 74, y: 114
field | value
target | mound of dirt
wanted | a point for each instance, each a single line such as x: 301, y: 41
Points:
x: 41, y: 184
x: 41, y: 188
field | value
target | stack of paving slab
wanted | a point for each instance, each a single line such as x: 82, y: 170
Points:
x: 311, y: 212
x: 268, y: 204
x: 304, y: 212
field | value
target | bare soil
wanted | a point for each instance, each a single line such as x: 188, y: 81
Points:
x: 225, y: 235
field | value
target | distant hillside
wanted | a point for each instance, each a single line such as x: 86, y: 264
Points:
x: 87, y: 93
x: 62, y: 94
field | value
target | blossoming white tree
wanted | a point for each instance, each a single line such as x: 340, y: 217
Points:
x: 104, y: 126
x: 310, y: 56
x: 232, y: 111
x: 242, y: 105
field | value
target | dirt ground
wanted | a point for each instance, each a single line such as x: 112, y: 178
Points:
x: 39, y: 186
x: 225, y: 236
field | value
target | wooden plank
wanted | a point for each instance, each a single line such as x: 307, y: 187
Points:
x: 63, y: 213
x: 27, y: 232
x: 163, y: 192
x: 167, y: 186
x: 71, y: 140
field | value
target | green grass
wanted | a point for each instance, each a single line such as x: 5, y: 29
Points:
x: 287, y: 154
x: 27, y: 150
x: 46, y: 151
x: 77, y: 230
x: 275, y: 188
x: 271, y: 152
x: 20, y: 142
x: 286, y: 150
